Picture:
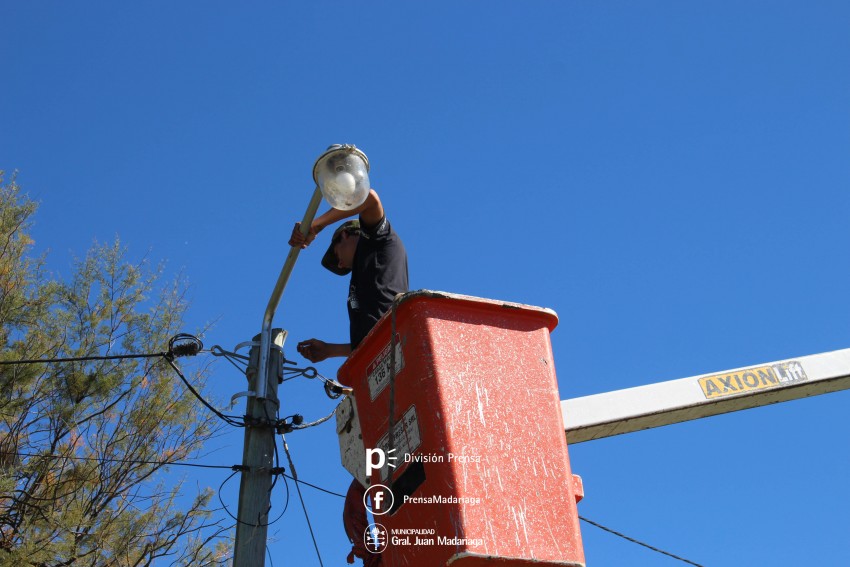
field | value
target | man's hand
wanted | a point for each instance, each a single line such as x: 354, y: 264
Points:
x: 315, y: 350
x: 298, y: 239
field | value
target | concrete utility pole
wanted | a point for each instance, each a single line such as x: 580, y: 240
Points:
x: 664, y: 403
x: 258, y: 458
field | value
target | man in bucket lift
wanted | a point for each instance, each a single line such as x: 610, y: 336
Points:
x: 372, y: 252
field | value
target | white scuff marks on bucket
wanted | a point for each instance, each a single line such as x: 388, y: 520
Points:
x: 554, y: 539
x: 492, y: 533
x: 481, y: 404
x: 519, y: 521
x: 465, y: 468
x: 484, y: 473
x: 516, y: 534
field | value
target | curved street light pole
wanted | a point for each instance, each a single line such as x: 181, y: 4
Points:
x: 277, y: 293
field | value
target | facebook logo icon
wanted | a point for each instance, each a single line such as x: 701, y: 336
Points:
x: 378, y: 499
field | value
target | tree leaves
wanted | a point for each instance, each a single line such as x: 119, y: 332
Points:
x: 82, y: 443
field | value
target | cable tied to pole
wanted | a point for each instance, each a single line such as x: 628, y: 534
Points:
x: 183, y: 344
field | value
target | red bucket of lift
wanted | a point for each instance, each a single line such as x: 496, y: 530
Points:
x: 480, y: 474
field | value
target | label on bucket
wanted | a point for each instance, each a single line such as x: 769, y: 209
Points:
x: 378, y: 371
x: 406, y: 439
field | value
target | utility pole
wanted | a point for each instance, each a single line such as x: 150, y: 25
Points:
x: 258, y: 458
x: 264, y: 371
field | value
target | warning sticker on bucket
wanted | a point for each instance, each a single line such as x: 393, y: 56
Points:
x: 406, y: 439
x: 750, y: 379
x: 378, y: 371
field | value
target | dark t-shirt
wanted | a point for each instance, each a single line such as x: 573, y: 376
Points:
x: 379, y: 272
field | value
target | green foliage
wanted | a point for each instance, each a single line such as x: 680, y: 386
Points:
x: 81, y: 443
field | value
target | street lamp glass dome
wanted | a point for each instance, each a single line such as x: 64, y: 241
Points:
x: 342, y: 173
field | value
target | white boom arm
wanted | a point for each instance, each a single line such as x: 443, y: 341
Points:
x: 664, y: 403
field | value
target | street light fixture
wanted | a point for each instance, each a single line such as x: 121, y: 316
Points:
x: 341, y: 174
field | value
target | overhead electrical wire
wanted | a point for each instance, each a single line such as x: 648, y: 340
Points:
x: 80, y: 358
x: 300, y: 497
x: 233, y: 420
x: 124, y: 461
x: 240, y: 468
x: 181, y: 344
x: 618, y: 534
x: 190, y: 348
x: 299, y: 481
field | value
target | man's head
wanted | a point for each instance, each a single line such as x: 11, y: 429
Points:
x: 339, y: 257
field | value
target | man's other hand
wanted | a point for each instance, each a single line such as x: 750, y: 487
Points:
x: 298, y: 239
x: 314, y: 350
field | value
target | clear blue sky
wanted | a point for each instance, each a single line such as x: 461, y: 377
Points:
x: 672, y: 178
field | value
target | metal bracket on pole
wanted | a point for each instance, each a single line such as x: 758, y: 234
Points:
x: 245, y: 394
x: 255, y: 343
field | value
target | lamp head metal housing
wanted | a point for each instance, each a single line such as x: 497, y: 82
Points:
x: 342, y: 174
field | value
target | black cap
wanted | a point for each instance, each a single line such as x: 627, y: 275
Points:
x: 329, y: 260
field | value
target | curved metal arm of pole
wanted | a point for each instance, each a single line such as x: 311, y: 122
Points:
x: 274, y: 300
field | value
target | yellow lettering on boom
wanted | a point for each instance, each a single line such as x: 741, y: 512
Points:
x: 750, y: 379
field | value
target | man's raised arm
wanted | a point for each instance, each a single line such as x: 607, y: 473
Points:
x: 371, y: 212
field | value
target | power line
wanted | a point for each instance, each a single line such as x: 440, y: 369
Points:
x: 609, y: 530
x: 123, y: 461
x: 190, y: 346
x: 233, y: 420
x: 300, y: 497
x: 236, y: 469
x: 299, y: 481
x: 181, y: 344
x: 81, y: 358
